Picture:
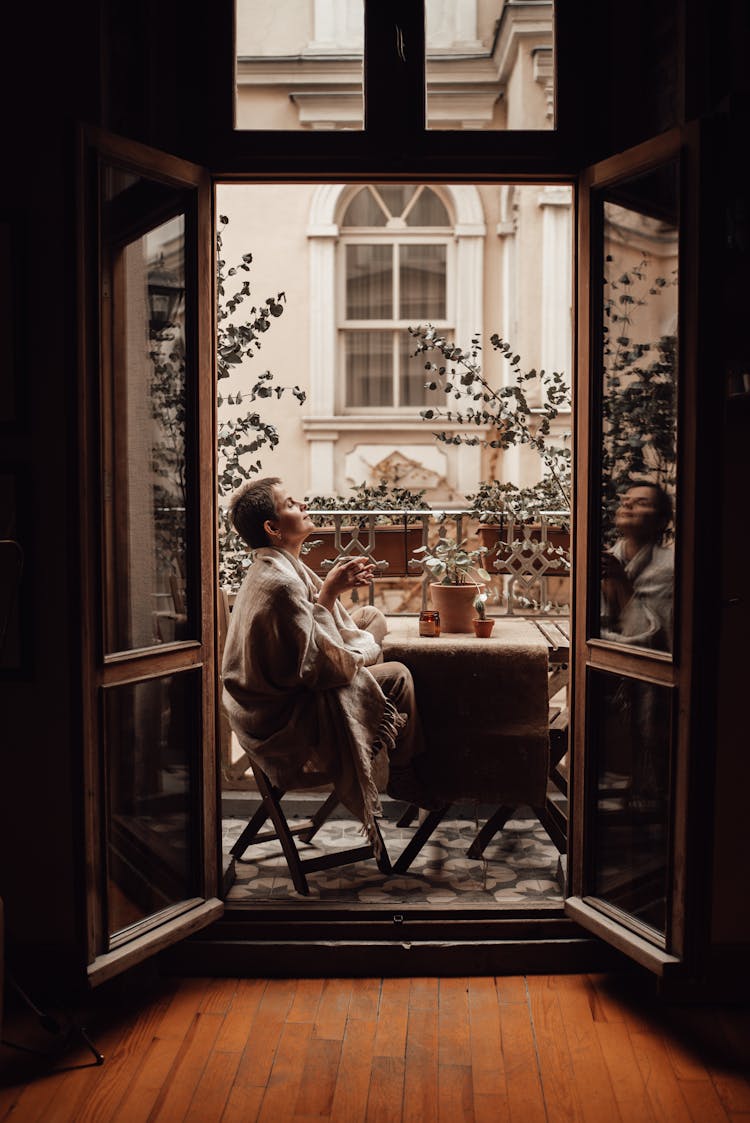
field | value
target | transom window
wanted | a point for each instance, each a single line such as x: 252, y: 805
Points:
x: 396, y: 268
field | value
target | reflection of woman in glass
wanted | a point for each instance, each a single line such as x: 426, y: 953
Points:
x: 638, y: 572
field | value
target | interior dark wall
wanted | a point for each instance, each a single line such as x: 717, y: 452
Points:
x: 49, y: 79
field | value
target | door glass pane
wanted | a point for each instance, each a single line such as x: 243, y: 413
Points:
x: 369, y: 368
x: 422, y: 272
x: 299, y: 64
x: 369, y: 282
x: 146, y: 356
x: 639, y: 409
x: 630, y: 740
x: 490, y: 65
x: 151, y: 735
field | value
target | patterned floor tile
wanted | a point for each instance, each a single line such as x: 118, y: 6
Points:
x: 519, y: 866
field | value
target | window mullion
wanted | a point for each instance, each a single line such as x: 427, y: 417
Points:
x: 395, y: 310
x: 394, y: 68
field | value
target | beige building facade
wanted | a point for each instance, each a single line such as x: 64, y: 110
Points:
x: 360, y: 264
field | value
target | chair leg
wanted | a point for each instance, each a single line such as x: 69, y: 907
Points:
x: 316, y: 822
x: 495, y: 823
x: 250, y: 831
x: 419, y: 838
x: 271, y: 801
x: 408, y: 816
x: 383, y: 861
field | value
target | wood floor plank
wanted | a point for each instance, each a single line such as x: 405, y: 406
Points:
x: 606, y: 1008
x: 162, y: 1052
x: 319, y: 1074
x: 565, y: 1048
x: 353, y: 1075
x: 263, y: 1038
x: 306, y: 1000
x: 243, y: 1104
x: 663, y: 1091
x: 392, y: 1019
x: 46, y: 1087
x: 421, y: 1071
x: 178, y: 1090
x: 287, y: 1074
x: 386, y: 1092
x: 525, y: 1097
x: 703, y: 1101
x: 213, y: 1088
x: 454, y: 1039
x: 510, y: 989
x: 595, y: 1092
x: 145, y: 1088
x: 627, y: 1082
x: 490, y: 1109
x: 733, y: 1090
x: 365, y: 999
x: 683, y: 1057
x: 488, y: 1072
x: 561, y: 1094
x: 218, y: 997
x: 183, y: 1008
x: 423, y: 993
x: 455, y: 1094
x: 121, y: 1066
x: 237, y: 1024
x: 333, y: 1009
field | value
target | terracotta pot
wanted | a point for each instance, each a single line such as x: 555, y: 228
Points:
x: 455, y: 603
x: 393, y: 544
x: 483, y: 628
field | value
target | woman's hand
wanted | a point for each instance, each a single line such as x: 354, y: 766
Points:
x: 346, y: 575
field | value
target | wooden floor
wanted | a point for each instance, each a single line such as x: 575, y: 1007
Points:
x: 598, y: 1048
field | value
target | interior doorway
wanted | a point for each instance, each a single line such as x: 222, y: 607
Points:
x: 327, y: 295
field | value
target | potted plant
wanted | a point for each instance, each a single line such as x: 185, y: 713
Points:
x: 390, y: 537
x: 482, y: 626
x: 453, y: 589
x: 505, y: 512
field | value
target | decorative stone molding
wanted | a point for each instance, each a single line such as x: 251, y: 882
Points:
x: 543, y: 61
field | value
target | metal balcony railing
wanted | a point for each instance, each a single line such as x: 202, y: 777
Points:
x: 526, y: 561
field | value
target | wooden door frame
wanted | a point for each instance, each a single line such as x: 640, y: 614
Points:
x: 99, y: 669
x: 591, y: 653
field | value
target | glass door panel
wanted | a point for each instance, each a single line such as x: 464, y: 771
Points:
x: 490, y: 65
x: 148, y: 526
x: 299, y: 64
x: 148, y: 358
x: 629, y: 742
x: 631, y: 733
x: 640, y: 260
x: 151, y: 741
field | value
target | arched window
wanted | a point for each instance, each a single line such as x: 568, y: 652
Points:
x: 396, y: 268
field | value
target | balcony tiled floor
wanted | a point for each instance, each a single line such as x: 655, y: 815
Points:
x: 519, y: 867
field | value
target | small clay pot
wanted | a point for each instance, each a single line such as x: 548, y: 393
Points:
x: 483, y: 628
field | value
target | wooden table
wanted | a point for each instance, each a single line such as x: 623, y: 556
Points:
x: 484, y: 705
x: 484, y: 708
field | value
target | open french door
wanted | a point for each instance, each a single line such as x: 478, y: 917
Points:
x: 630, y: 846
x: 148, y: 566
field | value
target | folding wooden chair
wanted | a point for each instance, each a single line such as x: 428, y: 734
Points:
x: 430, y: 823
x: 270, y: 808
